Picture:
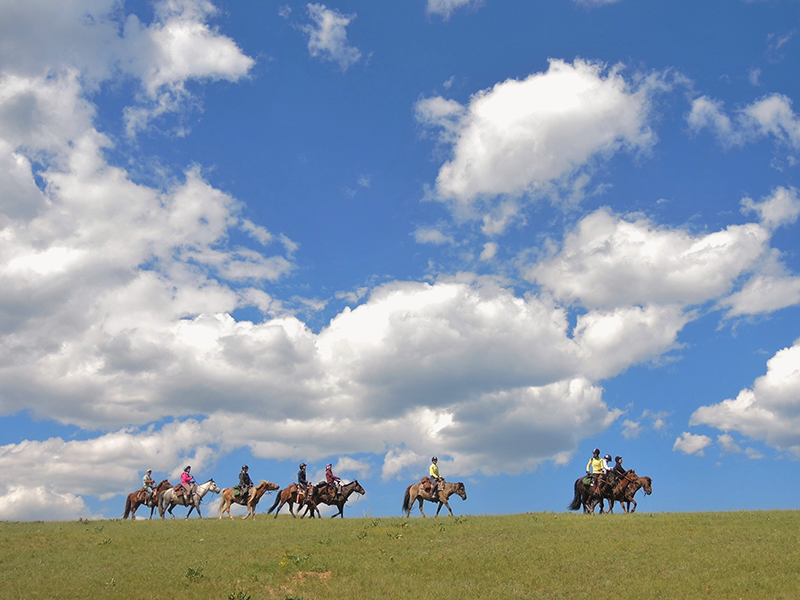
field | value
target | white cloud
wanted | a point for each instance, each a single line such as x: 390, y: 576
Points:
x: 772, y: 115
x: 689, y: 443
x: 728, y: 444
x: 769, y: 411
x: 524, y: 136
x: 431, y: 235
x: 489, y: 251
x: 446, y: 8
x: 611, y: 261
x: 593, y: 3
x: 631, y: 429
x: 327, y: 37
x: 781, y: 208
x: 27, y: 503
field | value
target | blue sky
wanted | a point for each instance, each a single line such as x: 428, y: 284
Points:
x: 364, y: 233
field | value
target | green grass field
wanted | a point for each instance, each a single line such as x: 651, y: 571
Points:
x: 535, y: 555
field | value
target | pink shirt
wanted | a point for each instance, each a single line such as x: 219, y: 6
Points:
x: 186, y: 479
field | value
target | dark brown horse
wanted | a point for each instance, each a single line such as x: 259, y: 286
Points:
x: 417, y: 492
x: 622, y: 491
x: 139, y: 497
x: 323, y: 494
x: 228, y: 498
x: 586, y: 496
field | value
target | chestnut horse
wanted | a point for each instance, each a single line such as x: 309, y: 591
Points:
x: 417, y: 492
x: 288, y: 495
x: 139, y: 497
x: 228, y: 497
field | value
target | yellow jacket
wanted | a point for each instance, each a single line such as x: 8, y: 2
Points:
x: 434, y: 470
x: 595, y: 465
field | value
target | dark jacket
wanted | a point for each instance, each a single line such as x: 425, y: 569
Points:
x: 301, y: 477
x: 244, y: 479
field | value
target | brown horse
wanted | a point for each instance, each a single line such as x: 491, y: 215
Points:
x: 586, y: 497
x: 229, y: 497
x: 644, y: 483
x: 322, y: 494
x: 417, y: 492
x: 288, y: 495
x: 622, y: 491
x: 139, y: 497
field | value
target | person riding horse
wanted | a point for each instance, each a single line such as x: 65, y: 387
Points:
x: 594, y: 468
x: 302, y: 480
x: 334, y: 483
x: 435, y: 478
x: 187, y: 484
x: 147, y: 485
x: 245, y: 483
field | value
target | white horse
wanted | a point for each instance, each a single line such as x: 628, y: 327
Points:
x: 193, y: 503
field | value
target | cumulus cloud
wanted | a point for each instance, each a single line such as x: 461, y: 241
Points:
x: 446, y: 8
x: 609, y: 260
x: 781, y: 208
x: 689, y: 443
x: 771, y: 115
x: 769, y: 411
x: 522, y: 136
x: 327, y: 36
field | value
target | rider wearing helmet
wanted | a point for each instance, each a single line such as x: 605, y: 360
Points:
x: 334, y: 483
x: 302, y: 480
x: 594, y: 467
x: 434, y: 478
x: 608, y: 469
x: 187, y: 484
x: 245, y: 483
x: 619, y: 470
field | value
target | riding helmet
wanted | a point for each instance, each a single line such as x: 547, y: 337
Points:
x: 302, y: 465
x: 245, y: 467
x: 329, y: 466
x: 596, y: 451
x: 607, y: 457
x: 617, y: 459
x: 434, y: 459
x: 188, y: 467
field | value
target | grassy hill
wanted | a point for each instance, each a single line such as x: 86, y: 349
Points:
x: 535, y: 555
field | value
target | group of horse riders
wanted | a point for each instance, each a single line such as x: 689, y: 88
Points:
x: 187, y: 484
x: 601, y: 471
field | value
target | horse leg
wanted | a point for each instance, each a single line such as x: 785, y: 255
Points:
x: 634, y: 506
x: 421, y: 501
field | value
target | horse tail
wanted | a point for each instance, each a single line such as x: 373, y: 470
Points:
x: 127, y: 507
x: 407, y: 500
x: 576, y: 501
x: 277, y: 501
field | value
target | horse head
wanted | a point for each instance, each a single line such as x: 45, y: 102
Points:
x: 268, y: 486
x: 213, y: 487
x: 356, y: 487
x: 647, y: 485
x: 461, y: 490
